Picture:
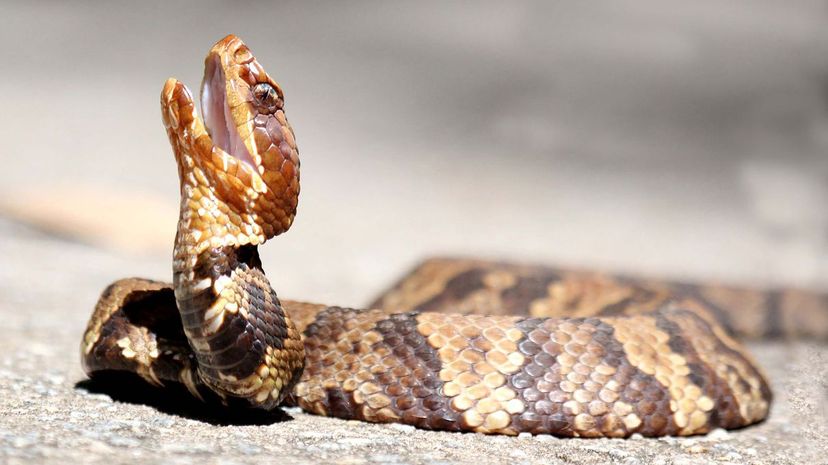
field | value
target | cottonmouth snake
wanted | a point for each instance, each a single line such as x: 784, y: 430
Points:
x: 566, y: 353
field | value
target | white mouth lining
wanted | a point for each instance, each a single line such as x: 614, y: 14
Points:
x: 216, y: 113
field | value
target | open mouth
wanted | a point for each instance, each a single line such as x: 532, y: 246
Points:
x: 217, y: 116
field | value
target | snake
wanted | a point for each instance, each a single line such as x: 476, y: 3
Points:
x: 459, y: 344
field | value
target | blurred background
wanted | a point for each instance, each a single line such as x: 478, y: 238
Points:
x: 665, y: 138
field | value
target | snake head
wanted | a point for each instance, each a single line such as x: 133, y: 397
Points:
x: 243, y: 155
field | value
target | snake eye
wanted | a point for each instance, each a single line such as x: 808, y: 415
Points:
x: 266, y: 96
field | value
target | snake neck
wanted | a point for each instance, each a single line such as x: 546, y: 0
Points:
x: 230, y: 313
x: 208, y: 242
x: 208, y: 294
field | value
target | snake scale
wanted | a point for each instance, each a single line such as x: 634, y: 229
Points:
x: 459, y: 344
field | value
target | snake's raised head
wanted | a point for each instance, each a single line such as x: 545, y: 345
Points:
x: 243, y: 156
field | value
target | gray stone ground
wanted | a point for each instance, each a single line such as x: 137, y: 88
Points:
x: 51, y: 415
x: 666, y: 138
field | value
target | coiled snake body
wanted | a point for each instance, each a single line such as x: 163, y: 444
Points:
x: 582, y: 355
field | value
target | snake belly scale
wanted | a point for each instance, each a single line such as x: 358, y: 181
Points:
x: 459, y: 345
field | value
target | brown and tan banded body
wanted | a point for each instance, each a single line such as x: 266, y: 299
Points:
x: 500, y: 288
x: 592, y: 356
